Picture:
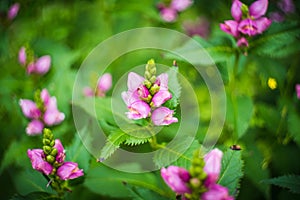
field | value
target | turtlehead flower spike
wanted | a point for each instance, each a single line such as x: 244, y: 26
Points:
x: 146, y: 95
x: 176, y: 178
x: 69, y: 170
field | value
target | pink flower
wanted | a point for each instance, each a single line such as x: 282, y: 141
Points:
x: 181, y: 5
x: 22, y: 56
x: 212, y: 166
x: 163, y: 116
x: 176, y: 178
x: 277, y: 17
x: 35, y: 127
x: 69, y: 170
x: 30, y: 68
x: 236, y: 10
x: 88, y: 92
x: 104, y: 84
x: 200, y: 27
x: 13, y: 11
x: 162, y: 81
x: 161, y: 97
x: 230, y: 27
x: 42, y: 65
x: 168, y: 14
x: 138, y: 110
x: 29, y: 109
x: 60, y: 157
x: 248, y: 27
x: 143, y: 92
x: 242, y: 42
x: 258, y: 8
x: 52, y: 116
x: 216, y: 192
x: 36, y: 157
x: 287, y: 6
x: 298, y: 90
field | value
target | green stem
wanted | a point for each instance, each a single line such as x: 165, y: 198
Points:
x: 232, y: 89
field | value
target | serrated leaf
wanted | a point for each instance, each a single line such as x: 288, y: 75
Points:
x: 107, y: 181
x: 133, y: 141
x: 239, y: 113
x: 35, y: 196
x: 279, y: 42
x: 231, y: 171
x: 77, y: 152
x: 291, y: 182
x: 139, y: 193
x: 174, y: 151
x: 174, y: 84
x: 114, y: 140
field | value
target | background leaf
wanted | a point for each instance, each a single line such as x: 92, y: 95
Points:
x: 35, y: 196
x: 291, y: 182
x: 138, y: 193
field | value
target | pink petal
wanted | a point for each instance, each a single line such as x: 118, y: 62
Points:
x: 22, y: 56
x: 88, y: 92
x: 134, y: 81
x: 176, y: 178
x: 213, y: 161
x: 31, y: 68
x: 35, y: 127
x: 69, y: 170
x: 105, y: 82
x: 263, y: 24
x: 258, y: 8
x: 42, y: 65
x: 60, y: 151
x: 163, y: 116
x: 162, y: 81
x: 161, y: 97
x: 230, y: 27
x: 45, y: 96
x: 181, y: 5
x: 242, y: 42
x: 13, y: 11
x: 287, y: 6
x: 168, y: 14
x: 248, y: 27
x: 236, y: 10
x: 298, y: 90
x: 29, y: 109
x: 52, y: 116
x: 138, y: 110
x: 216, y: 192
x: 36, y: 157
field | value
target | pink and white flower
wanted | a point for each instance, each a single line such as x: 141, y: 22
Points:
x: 163, y: 116
x: 69, y: 170
x: 37, y: 157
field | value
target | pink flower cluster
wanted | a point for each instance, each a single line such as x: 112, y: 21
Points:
x: 178, y: 178
x: 47, y: 114
x: 247, y: 22
x: 143, y: 103
x: 170, y: 13
x: 65, y: 171
x: 104, y: 84
x: 286, y: 7
x: 34, y: 66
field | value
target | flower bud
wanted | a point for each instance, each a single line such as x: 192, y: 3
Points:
x: 50, y: 159
x: 52, y: 143
x: 53, y: 152
x: 47, y: 149
x: 46, y: 141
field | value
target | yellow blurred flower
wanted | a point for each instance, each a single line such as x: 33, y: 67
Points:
x: 272, y: 83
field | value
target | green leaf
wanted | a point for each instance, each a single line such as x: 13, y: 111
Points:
x: 113, y: 142
x: 133, y: 141
x: 30, y: 180
x: 35, y: 196
x: 107, y: 181
x: 209, y: 53
x: 293, y: 126
x: 231, y: 171
x: 279, y: 42
x: 239, y: 113
x: 174, y: 84
x: 139, y: 193
x: 77, y: 152
x: 291, y: 182
x: 178, y: 151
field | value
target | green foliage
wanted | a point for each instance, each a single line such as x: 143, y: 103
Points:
x: 239, y: 113
x: 106, y: 181
x: 290, y: 182
x: 35, y: 196
x: 231, y: 171
x: 293, y: 126
x: 139, y: 193
x: 272, y: 45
